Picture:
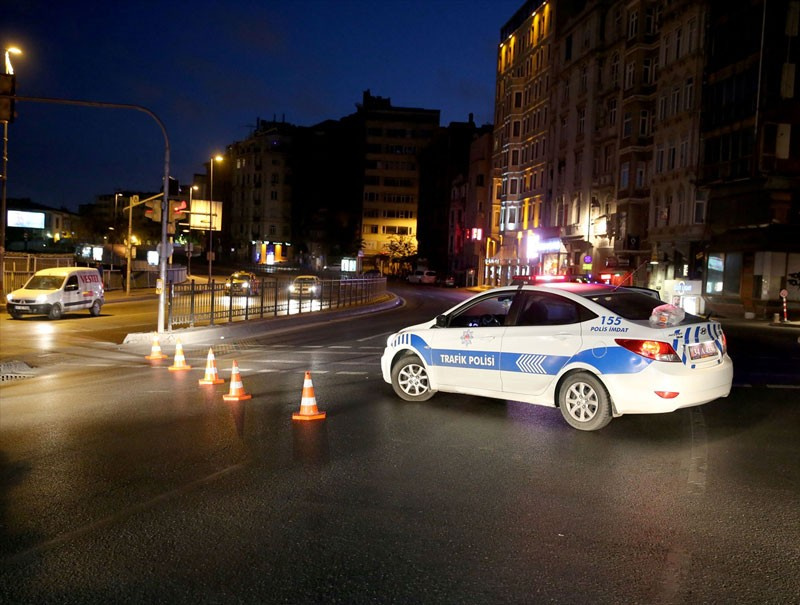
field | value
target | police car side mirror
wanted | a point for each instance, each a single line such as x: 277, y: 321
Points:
x: 441, y: 321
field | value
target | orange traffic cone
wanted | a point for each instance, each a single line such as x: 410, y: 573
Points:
x: 308, y: 403
x: 180, y: 360
x: 211, y: 377
x: 237, y: 388
x: 155, y: 351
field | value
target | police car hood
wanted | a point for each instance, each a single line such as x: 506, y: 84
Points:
x: 423, y: 326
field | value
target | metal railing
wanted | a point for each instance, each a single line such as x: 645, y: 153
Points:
x: 192, y: 304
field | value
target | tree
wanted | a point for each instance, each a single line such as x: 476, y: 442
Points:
x: 401, y: 250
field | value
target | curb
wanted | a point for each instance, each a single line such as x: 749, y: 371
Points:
x: 209, y: 335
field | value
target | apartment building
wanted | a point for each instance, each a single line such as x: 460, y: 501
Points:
x: 677, y: 209
x: 750, y: 169
x: 390, y: 139
x: 522, y: 148
x: 258, y: 219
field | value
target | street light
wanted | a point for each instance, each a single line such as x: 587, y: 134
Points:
x: 189, y: 245
x: 11, y: 50
x: 216, y: 158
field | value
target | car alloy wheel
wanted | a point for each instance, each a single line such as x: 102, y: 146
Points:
x: 584, y: 402
x: 410, y: 379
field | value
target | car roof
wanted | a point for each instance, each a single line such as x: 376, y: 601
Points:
x: 581, y: 289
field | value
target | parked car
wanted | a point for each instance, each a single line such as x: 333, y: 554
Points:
x: 422, y: 277
x: 594, y: 351
x: 306, y: 286
x: 242, y: 283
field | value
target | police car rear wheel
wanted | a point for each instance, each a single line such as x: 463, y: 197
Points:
x: 584, y: 402
x: 410, y: 379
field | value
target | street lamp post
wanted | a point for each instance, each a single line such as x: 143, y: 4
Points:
x: 216, y: 158
x: 9, y: 70
x: 189, y: 244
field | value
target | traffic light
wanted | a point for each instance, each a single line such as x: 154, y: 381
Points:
x: 153, y: 210
x: 177, y: 210
x: 7, y: 87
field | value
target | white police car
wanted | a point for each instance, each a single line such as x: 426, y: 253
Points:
x: 594, y: 351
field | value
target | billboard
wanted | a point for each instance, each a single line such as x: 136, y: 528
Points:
x: 204, y: 213
x: 26, y: 220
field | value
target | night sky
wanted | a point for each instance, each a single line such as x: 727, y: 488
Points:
x: 209, y: 69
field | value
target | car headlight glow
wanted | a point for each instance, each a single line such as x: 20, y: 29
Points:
x: 8, y: 298
x: 291, y: 288
x: 42, y: 298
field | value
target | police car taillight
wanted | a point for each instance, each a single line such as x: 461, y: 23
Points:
x: 651, y: 349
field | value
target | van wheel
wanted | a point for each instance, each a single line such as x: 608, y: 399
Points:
x: 55, y: 312
x: 584, y: 401
x: 94, y: 310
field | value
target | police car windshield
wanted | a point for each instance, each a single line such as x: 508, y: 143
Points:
x: 44, y: 282
x: 630, y: 305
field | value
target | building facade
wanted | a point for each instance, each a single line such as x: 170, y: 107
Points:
x: 651, y: 145
x: 259, y: 221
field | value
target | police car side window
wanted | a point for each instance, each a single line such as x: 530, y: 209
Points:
x: 541, y: 309
x: 491, y: 311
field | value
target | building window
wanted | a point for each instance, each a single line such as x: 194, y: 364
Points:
x: 647, y: 71
x: 633, y: 24
x: 612, y: 112
x: 624, y: 173
x: 615, y: 69
x: 723, y: 273
x: 517, y: 99
x: 640, y: 175
x: 581, y: 120
x: 699, y: 210
x: 630, y: 74
x: 688, y: 94
x: 644, y: 123
x: 627, y: 122
x: 659, y: 159
x: 662, y: 108
x: 676, y: 101
x: 684, y: 154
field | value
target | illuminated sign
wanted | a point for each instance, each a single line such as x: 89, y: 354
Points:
x: 26, y: 220
x: 204, y: 213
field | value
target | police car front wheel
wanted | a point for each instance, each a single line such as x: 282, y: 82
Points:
x: 584, y: 402
x: 410, y: 379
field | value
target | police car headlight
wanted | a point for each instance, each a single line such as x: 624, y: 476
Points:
x: 42, y: 298
x: 245, y: 285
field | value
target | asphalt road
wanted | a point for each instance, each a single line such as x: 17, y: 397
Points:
x: 124, y: 482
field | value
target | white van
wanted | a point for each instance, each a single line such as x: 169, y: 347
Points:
x: 56, y: 291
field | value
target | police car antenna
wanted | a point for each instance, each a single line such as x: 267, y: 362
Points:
x: 647, y: 262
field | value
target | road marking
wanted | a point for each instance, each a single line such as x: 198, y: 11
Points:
x: 352, y: 373
x: 698, y: 465
x: 341, y: 347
